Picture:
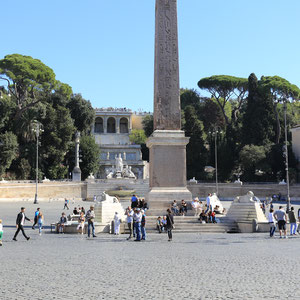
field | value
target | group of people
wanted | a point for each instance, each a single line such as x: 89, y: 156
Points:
x: 89, y: 216
x: 78, y: 210
x: 206, y: 213
x: 280, y: 218
x: 179, y: 210
x: 136, y: 222
x: 21, y: 217
x: 139, y: 203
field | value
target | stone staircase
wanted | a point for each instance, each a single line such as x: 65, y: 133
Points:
x: 189, y: 224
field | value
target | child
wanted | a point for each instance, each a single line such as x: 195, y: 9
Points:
x: 81, y: 221
x: 1, y: 232
x: 40, y: 220
x: 117, y: 222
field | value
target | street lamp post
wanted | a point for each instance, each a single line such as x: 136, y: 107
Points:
x: 37, y: 130
x: 286, y: 157
x: 215, y: 133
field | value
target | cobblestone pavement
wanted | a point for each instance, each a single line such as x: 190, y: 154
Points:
x: 193, y: 266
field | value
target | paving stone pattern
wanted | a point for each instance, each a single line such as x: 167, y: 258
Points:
x: 193, y: 266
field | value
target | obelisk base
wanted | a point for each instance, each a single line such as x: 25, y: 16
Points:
x: 167, y: 170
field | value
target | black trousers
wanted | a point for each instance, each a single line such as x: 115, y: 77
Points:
x: 35, y: 221
x: 169, y: 233
x: 20, y: 227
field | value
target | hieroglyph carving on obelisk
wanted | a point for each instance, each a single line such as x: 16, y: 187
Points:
x: 167, y: 113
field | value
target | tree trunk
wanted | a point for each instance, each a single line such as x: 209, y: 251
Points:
x: 278, y: 128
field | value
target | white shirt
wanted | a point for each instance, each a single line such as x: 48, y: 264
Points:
x: 23, y: 219
x: 195, y: 204
x: 117, y: 220
x: 1, y: 227
x: 138, y: 217
x: 208, y: 201
x: 271, y: 218
x: 130, y: 216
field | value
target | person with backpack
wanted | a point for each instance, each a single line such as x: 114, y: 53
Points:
x: 35, y: 217
x: 40, y: 221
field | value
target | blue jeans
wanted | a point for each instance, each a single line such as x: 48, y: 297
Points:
x: 138, y: 230
x: 40, y: 226
x: 272, y: 229
x: 293, y: 228
x: 143, y: 232
x: 89, y: 228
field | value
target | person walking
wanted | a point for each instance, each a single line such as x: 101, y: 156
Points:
x: 40, y: 221
x: 1, y: 232
x: 90, y: 216
x: 137, y: 216
x: 208, y: 203
x: 281, y: 217
x: 170, y: 224
x: 36, y: 217
x: 129, y: 214
x: 143, y: 225
x: 117, y: 222
x: 272, y: 222
x: 21, y: 217
x: 293, y: 221
x: 66, y: 203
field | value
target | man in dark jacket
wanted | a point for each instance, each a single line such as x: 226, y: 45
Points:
x: 170, y: 224
x: 293, y: 221
x: 20, y: 223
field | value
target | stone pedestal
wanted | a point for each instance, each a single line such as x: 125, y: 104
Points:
x: 167, y: 169
x: 76, y: 174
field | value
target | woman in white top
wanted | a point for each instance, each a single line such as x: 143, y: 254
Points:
x: 81, y: 220
x: 272, y: 222
x: 117, y: 222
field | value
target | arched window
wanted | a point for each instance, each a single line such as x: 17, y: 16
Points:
x: 111, y: 125
x: 124, y: 125
x: 99, y: 125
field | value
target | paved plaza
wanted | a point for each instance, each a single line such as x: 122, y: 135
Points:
x: 193, y: 266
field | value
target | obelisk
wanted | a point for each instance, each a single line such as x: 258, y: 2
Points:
x: 167, y: 144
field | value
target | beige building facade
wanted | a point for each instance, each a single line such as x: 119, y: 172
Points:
x: 111, y: 129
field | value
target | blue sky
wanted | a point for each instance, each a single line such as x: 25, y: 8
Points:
x: 104, y: 49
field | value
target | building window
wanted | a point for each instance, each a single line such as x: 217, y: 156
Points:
x: 111, y: 125
x: 99, y: 125
x: 124, y: 125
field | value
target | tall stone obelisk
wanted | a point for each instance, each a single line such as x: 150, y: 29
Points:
x: 168, y: 142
